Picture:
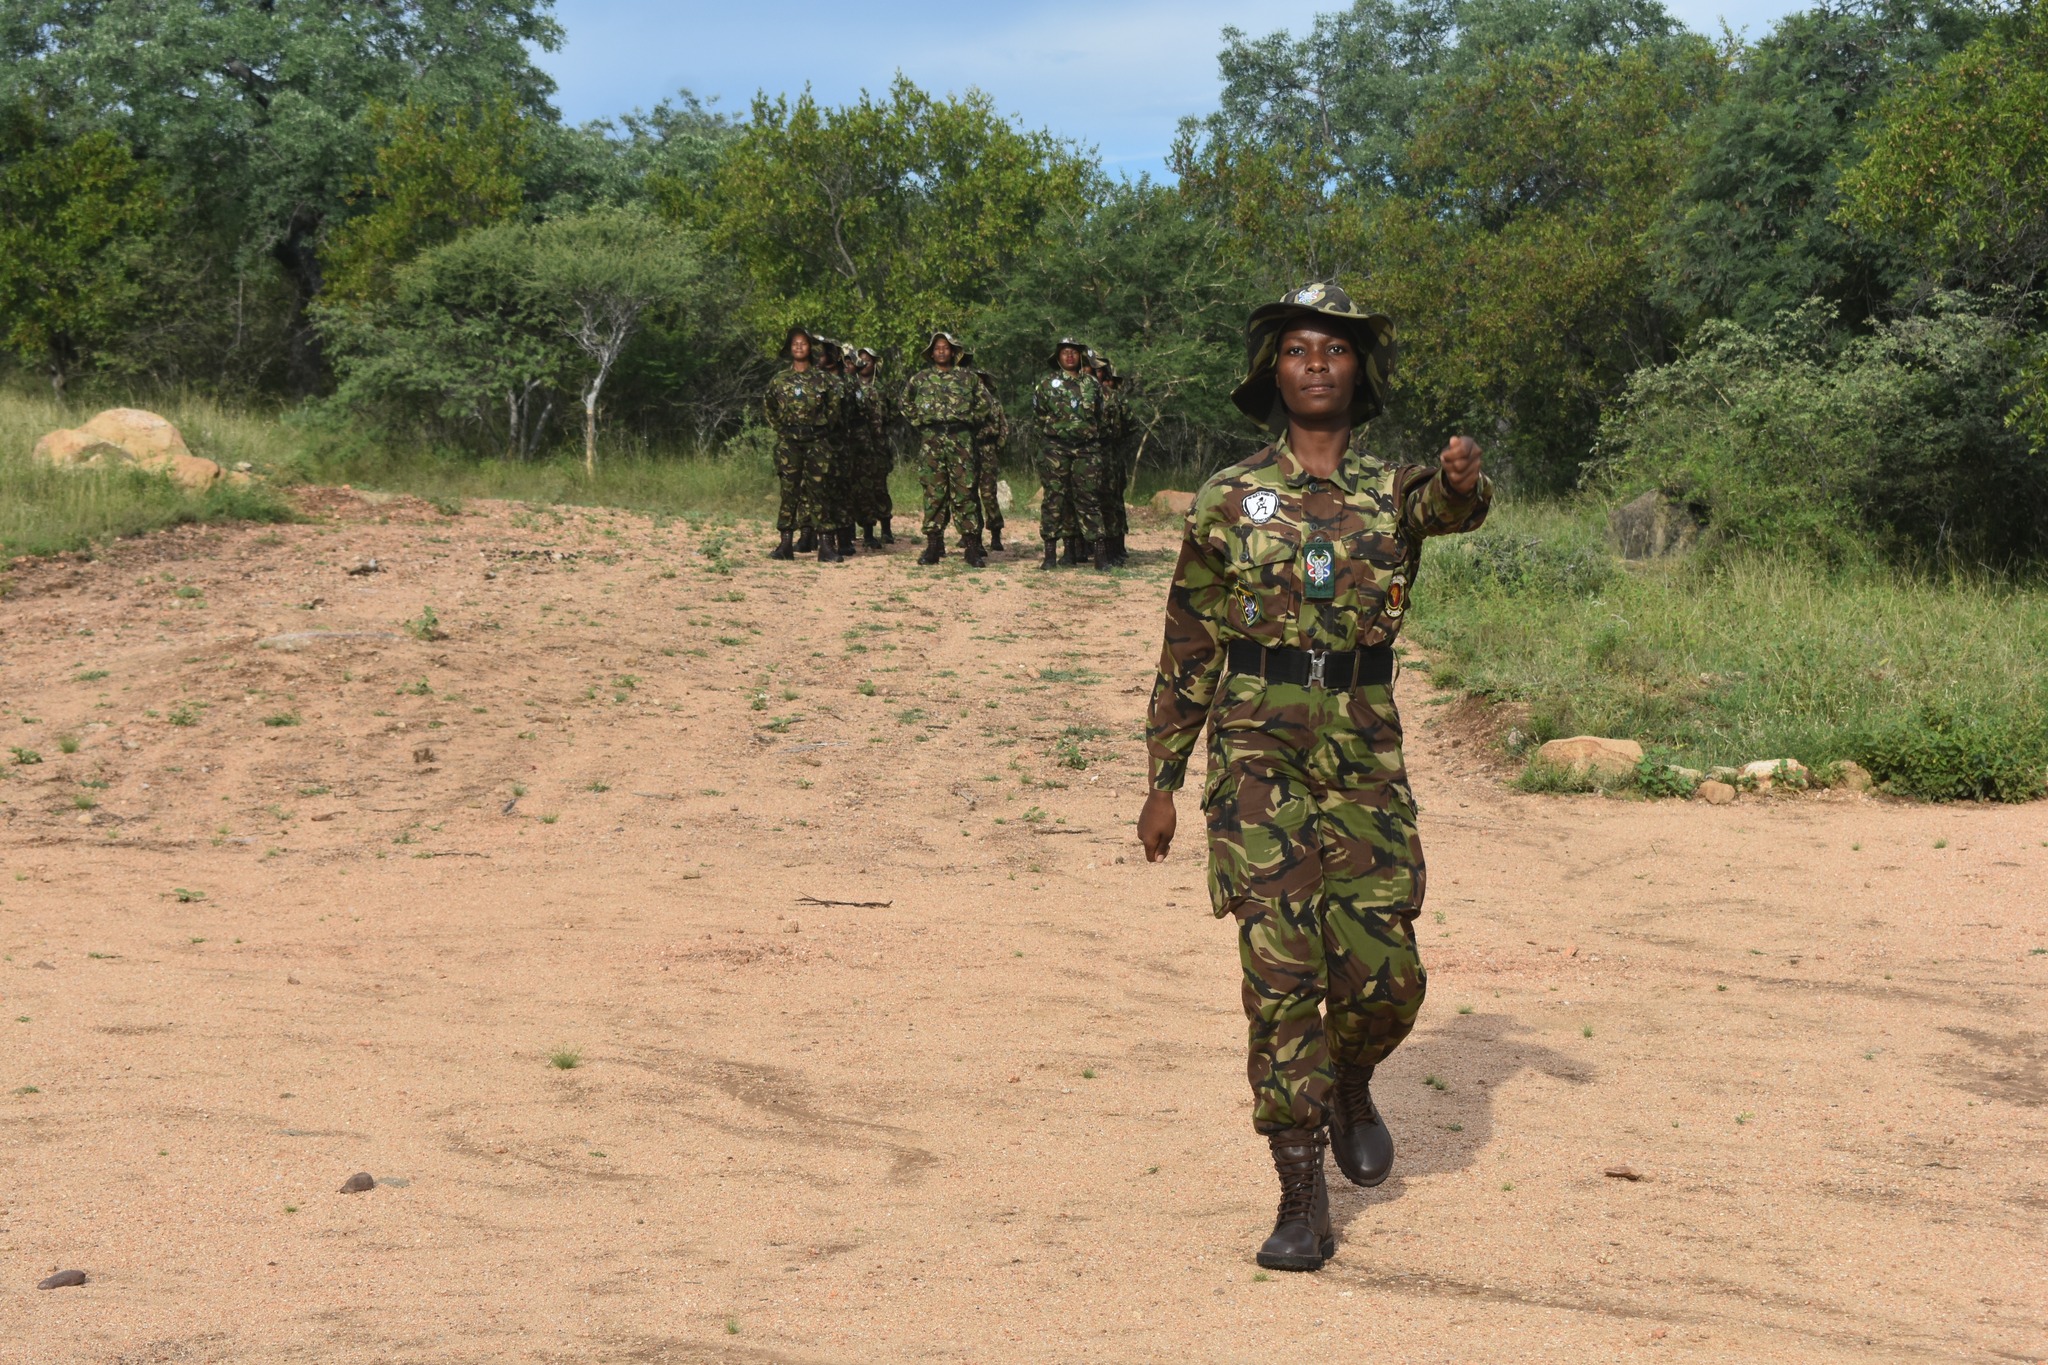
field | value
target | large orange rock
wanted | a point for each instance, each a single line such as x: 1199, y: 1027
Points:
x: 1608, y: 757
x: 1169, y: 502
x: 130, y: 436
x: 71, y: 448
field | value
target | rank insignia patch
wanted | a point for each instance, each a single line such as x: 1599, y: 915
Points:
x: 1319, y: 571
x: 1397, y: 594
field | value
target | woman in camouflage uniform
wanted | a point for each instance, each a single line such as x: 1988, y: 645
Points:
x: 802, y: 409
x: 1292, y: 583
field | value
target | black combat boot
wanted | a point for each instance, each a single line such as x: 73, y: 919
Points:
x: 995, y: 540
x: 846, y: 542
x: 1363, y: 1146
x: 1302, y: 1238
x: 1071, y: 556
x: 783, y: 550
x: 888, y: 532
x: 1119, y: 555
x: 934, y: 547
x: 1102, y: 555
x: 868, y: 537
x: 807, y: 542
x: 971, y: 551
x: 1052, y: 555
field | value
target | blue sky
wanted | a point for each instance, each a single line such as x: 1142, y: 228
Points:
x: 1115, y: 75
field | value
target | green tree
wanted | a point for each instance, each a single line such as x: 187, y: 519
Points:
x: 437, y: 174
x: 1752, y: 229
x: 884, y: 217
x: 464, y: 338
x: 259, y: 114
x: 1957, y: 167
x: 605, y: 274
x: 1517, y: 267
x: 74, y: 216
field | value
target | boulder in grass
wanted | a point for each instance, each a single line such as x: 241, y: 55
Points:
x: 1769, y: 772
x: 1591, y: 753
x: 1714, y: 793
x: 1853, y: 775
x: 1652, y: 527
x: 129, y: 436
x: 1168, y: 502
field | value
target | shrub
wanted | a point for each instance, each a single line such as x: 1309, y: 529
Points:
x: 1941, y: 754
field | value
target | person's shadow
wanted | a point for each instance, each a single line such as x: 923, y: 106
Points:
x: 1436, y: 1093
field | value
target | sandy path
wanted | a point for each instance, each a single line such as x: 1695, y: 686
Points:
x: 838, y: 1133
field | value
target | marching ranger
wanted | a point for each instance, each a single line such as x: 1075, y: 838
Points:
x: 802, y: 408
x: 988, y: 453
x: 1293, y: 580
x: 846, y: 436
x: 871, y: 481
x: 1068, y: 405
x: 1116, y: 466
x: 947, y: 406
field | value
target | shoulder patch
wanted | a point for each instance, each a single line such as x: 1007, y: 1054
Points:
x: 1260, y: 506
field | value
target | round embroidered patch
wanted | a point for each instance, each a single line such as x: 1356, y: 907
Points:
x: 1259, y: 507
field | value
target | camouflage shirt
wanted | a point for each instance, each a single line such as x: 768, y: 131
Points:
x: 1240, y: 574
x: 1069, y: 407
x: 1116, y: 418
x: 802, y: 404
x: 938, y: 398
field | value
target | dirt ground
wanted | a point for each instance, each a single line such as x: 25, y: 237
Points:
x: 889, y: 1046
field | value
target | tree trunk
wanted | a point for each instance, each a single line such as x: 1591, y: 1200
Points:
x: 590, y: 431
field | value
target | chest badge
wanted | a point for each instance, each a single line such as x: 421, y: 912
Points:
x: 1248, y: 611
x: 1259, y: 507
x: 1397, y: 595
x: 1319, y: 571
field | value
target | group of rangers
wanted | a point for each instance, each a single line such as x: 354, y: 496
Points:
x: 832, y: 418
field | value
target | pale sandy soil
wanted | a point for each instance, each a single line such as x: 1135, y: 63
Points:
x: 834, y: 1133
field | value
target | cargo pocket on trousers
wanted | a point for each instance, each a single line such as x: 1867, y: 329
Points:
x: 1228, y: 873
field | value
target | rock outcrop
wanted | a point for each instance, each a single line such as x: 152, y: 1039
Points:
x: 1590, y: 753
x: 129, y: 436
x: 1652, y: 527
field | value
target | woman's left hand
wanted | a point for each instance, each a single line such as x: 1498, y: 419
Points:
x: 1460, y: 461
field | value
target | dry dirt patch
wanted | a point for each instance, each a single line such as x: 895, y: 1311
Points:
x: 333, y: 905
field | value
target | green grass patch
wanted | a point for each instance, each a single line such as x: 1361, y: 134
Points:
x: 1931, y: 682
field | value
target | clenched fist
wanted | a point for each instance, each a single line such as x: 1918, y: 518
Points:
x: 1460, y: 461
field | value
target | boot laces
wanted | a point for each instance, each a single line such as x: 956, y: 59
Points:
x: 1297, y: 1168
x: 1354, y: 1096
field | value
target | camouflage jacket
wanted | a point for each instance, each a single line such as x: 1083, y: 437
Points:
x: 803, y: 405
x: 942, y: 398
x: 1116, y: 418
x: 1069, y: 407
x: 870, y: 412
x: 997, y: 432
x: 1241, y: 564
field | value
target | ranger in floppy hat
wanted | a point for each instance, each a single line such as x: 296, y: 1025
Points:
x: 938, y: 337
x: 1259, y: 398
x: 1080, y: 350
x: 1289, y: 592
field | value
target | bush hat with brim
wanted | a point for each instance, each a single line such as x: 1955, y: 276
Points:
x: 1054, y: 358
x: 1258, y: 397
x: 938, y: 337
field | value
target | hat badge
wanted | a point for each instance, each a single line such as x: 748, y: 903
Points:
x: 1309, y: 296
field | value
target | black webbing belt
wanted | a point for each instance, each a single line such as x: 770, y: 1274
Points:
x: 1369, y: 667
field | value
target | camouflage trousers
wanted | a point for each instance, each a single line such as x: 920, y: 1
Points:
x: 1313, y: 848
x: 808, y: 477
x: 946, y: 462
x: 868, y: 487
x: 1072, y: 474
x: 987, y: 471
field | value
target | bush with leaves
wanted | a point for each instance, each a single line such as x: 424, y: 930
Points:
x: 1793, y: 439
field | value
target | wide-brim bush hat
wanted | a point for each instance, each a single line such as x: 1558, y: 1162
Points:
x: 1258, y: 397
x: 1053, y: 359
x: 938, y: 337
